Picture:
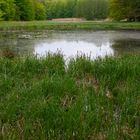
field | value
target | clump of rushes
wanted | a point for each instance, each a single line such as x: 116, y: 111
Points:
x: 40, y: 99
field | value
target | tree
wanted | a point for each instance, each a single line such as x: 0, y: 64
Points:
x: 133, y: 10
x: 70, y: 8
x: 89, y: 9
x: 1, y: 12
x: 50, y: 8
x: 92, y: 9
x: 121, y: 9
x: 7, y: 9
x: 40, y: 11
x: 26, y: 10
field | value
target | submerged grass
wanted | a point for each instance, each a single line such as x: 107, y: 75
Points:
x: 44, y: 99
x: 57, y: 25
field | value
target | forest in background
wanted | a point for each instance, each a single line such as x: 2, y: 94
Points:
x: 27, y: 10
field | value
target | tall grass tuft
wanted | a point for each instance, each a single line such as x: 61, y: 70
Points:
x: 41, y: 99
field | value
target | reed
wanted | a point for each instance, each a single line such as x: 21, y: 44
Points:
x: 44, y: 99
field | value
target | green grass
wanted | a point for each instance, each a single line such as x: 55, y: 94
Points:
x: 44, y: 99
x: 56, y: 25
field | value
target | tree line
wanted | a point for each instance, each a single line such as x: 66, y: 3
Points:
x: 89, y: 9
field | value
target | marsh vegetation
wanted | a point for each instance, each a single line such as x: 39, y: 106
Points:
x: 45, y: 99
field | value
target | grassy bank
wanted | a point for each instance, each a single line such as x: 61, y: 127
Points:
x: 59, y: 25
x: 42, y: 99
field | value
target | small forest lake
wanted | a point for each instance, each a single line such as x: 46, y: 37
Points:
x: 72, y: 43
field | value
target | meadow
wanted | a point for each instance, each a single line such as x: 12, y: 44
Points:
x: 47, y: 99
x: 70, y: 25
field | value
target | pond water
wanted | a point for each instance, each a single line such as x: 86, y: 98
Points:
x: 72, y: 43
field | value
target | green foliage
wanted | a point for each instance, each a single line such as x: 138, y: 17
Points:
x: 71, y: 8
x: 7, y: 8
x: 40, y: 11
x: 57, y: 9
x: 26, y: 9
x: 1, y: 14
x: 92, y: 9
x: 128, y: 9
x: 53, y: 25
x: 88, y: 9
x: 40, y: 99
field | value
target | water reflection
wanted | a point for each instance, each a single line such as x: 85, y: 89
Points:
x: 72, y: 48
x: 131, y: 46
